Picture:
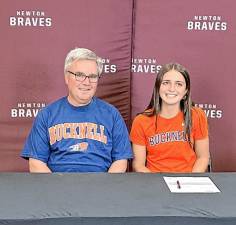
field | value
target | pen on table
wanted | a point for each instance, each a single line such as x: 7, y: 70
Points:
x: 178, y: 184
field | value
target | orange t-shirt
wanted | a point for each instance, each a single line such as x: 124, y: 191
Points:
x: 167, y: 147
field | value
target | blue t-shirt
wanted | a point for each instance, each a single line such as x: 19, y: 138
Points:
x: 78, y: 139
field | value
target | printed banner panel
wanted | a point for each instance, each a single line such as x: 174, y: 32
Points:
x: 201, y: 36
x: 35, y: 38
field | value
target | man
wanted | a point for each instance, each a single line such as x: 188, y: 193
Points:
x: 79, y: 133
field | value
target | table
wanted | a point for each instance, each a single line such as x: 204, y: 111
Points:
x: 112, y: 199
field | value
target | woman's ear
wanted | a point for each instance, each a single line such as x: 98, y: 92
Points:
x: 185, y: 94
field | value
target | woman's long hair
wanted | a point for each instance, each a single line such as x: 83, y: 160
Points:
x: 186, y: 104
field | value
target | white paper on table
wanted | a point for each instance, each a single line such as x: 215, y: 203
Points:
x: 191, y: 185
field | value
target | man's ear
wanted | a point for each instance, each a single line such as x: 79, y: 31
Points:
x: 66, y: 79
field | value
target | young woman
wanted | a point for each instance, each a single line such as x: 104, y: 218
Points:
x: 171, y: 135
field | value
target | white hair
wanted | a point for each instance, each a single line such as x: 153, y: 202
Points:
x: 82, y: 54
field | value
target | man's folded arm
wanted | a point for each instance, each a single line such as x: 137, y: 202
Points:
x: 118, y: 166
x: 37, y: 166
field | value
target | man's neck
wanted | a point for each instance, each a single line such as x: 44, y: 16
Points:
x: 76, y: 104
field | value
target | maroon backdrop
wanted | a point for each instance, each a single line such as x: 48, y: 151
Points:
x: 201, y: 36
x: 35, y: 38
x: 134, y: 37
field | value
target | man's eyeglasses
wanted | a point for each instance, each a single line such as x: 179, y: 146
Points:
x: 80, y: 76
